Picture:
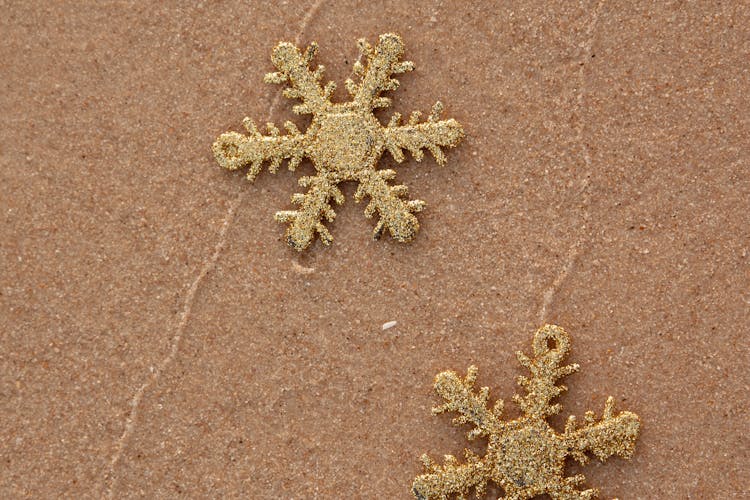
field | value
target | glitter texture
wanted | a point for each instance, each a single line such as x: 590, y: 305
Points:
x: 344, y: 142
x: 526, y: 457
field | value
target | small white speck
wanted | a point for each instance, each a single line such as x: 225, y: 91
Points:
x: 389, y: 324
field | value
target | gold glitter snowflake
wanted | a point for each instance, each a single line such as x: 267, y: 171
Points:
x: 526, y: 457
x: 344, y: 141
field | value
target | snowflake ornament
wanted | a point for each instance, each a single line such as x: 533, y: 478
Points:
x: 344, y: 142
x: 525, y: 456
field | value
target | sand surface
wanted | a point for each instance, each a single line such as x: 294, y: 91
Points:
x: 160, y: 339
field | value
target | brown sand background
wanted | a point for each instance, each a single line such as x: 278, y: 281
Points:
x: 159, y: 338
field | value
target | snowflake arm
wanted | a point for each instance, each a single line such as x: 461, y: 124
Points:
x: 452, y: 478
x: 304, y: 84
x: 471, y: 406
x: 396, y: 214
x: 545, y: 371
x: 416, y: 136
x: 376, y: 77
x: 314, y: 206
x: 234, y: 151
x: 611, y: 435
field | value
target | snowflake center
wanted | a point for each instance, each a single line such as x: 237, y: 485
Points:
x: 345, y: 143
x: 524, y: 469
